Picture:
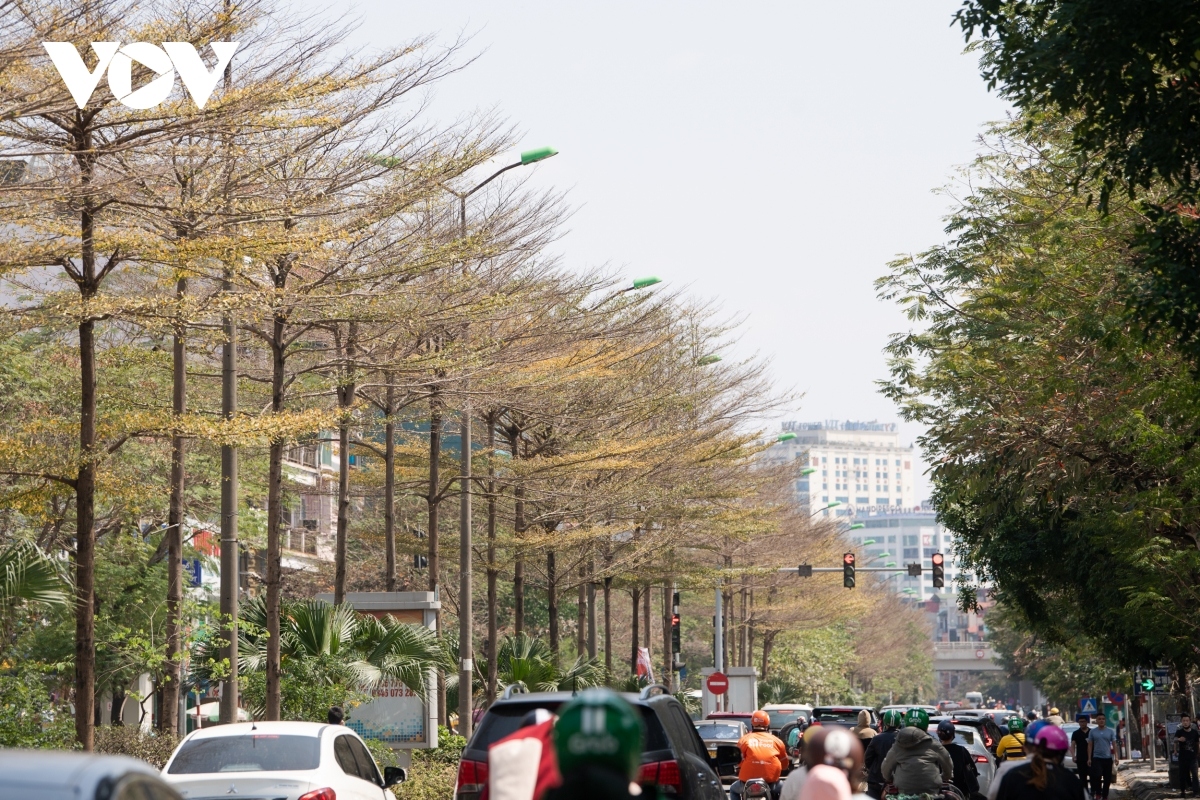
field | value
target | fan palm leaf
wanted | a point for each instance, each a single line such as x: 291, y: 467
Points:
x: 27, y: 574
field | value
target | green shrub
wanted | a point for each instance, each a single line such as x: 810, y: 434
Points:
x: 433, y: 772
x: 28, y: 718
x: 153, y: 748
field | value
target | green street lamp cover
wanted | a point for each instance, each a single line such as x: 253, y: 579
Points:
x: 785, y: 437
x: 539, y: 154
x: 857, y: 526
x: 642, y: 283
x: 884, y: 554
x: 704, y: 361
x: 808, y: 470
x: 890, y: 564
x: 866, y: 543
x: 834, y: 504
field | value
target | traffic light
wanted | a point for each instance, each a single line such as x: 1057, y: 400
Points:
x: 1148, y: 685
x: 675, y: 643
x: 914, y: 570
x: 848, y: 570
x: 939, y: 570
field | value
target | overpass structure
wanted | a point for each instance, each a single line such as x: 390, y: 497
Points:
x: 964, y: 656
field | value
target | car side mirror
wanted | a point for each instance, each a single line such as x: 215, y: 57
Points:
x: 393, y: 776
x: 728, y: 757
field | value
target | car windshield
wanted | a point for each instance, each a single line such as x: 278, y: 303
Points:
x: 253, y: 753
x: 781, y: 718
x: 846, y: 715
x: 719, y: 730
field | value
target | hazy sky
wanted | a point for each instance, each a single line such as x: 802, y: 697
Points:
x: 773, y: 156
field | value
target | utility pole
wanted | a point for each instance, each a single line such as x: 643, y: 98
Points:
x: 466, y: 651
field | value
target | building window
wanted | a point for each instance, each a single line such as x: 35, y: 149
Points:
x: 891, y: 540
x: 879, y: 501
x: 842, y: 499
x: 897, y: 499
x: 910, y: 540
x: 825, y: 486
x: 801, y: 486
x: 897, y: 462
x: 862, y: 501
x: 912, y: 552
x: 825, y: 499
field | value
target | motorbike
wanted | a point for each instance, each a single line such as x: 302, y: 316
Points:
x: 757, y: 789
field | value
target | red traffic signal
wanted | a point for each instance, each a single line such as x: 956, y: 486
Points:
x: 938, y: 558
x: 848, y: 570
x: 848, y: 558
x: 939, y: 570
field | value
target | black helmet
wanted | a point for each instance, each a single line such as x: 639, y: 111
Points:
x: 945, y: 729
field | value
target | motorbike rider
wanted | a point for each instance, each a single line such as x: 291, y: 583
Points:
x: 1012, y: 745
x: 917, y: 763
x: 764, y: 756
x: 794, y: 783
x: 1005, y: 767
x: 966, y: 774
x: 1042, y: 777
x: 878, y: 749
x: 598, y: 741
x: 836, y: 766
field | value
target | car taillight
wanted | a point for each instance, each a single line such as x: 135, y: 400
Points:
x: 664, y: 774
x: 472, y: 776
x: 320, y: 794
x: 981, y: 759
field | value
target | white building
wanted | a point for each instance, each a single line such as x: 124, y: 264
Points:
x: 861, y: 466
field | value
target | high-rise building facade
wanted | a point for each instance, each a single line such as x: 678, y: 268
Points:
x: 861, y: 466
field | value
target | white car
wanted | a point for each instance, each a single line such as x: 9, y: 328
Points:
x: 278, y: 761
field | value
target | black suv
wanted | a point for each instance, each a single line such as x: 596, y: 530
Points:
x: 673, y: 756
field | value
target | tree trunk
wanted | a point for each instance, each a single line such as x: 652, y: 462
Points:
x: 85, y: 486
x: 493, y: 573
x: 433, y: 500
x: 636, y: 593
x: 750, y: 625
x: 389, y: 489
x: 168, y: 717
x: 274, y: 521
x: 768, y: 644
x: 581, y: 614
x: 591, y: 609
x: 552, y: 604
x: 346, y: 394
x: 514, y: 440
x: 608, y: 661
x: 667, y: 672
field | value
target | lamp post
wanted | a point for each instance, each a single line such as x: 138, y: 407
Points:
x: 466, y: 652
x: 826, y: 507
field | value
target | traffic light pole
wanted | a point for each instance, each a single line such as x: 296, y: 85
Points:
x: 808, y: 569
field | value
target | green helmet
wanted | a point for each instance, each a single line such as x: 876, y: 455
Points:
x: 1015, y: 724
x: 893, y: 718
x: 917, y: 718
x: 598, y: 728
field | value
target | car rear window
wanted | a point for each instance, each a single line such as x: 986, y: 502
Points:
x: 964, y: 737
x: 781, y: 718
x: 503, y: 719
x: 719, y: 730
x: 844, y: 715
x: 252, y: 753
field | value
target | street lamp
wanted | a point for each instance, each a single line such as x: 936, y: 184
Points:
x: 859, y: 526
x: 834, y: 504
x: 704, y: 361
x: 466, y: 651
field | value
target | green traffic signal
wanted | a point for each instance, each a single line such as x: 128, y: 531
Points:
x: 1148, y: 685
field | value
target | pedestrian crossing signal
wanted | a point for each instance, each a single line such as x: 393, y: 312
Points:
x: 848, y: 570
x: 939, y: 570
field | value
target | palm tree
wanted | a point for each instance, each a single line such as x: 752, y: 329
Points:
x: 528, y: 662
x: 356, y: 648
x: 29, y: 575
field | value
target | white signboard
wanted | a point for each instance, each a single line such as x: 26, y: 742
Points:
x: 395, y: 715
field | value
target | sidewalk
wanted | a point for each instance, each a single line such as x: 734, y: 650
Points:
x: 1143, y: 784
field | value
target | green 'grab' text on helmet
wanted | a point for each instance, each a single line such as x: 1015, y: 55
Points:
x: 893, y: 718
x: 917, y: 718
x: 598, y: 728
x: 1015, y: 724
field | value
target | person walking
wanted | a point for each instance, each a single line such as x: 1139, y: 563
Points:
x: 1187, y: 742
x: 1102, y: 743
x: 1079, y: 743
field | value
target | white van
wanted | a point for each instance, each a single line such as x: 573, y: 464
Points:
x: 973, y: 700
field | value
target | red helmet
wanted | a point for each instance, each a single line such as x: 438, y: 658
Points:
x: 760, y: 720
